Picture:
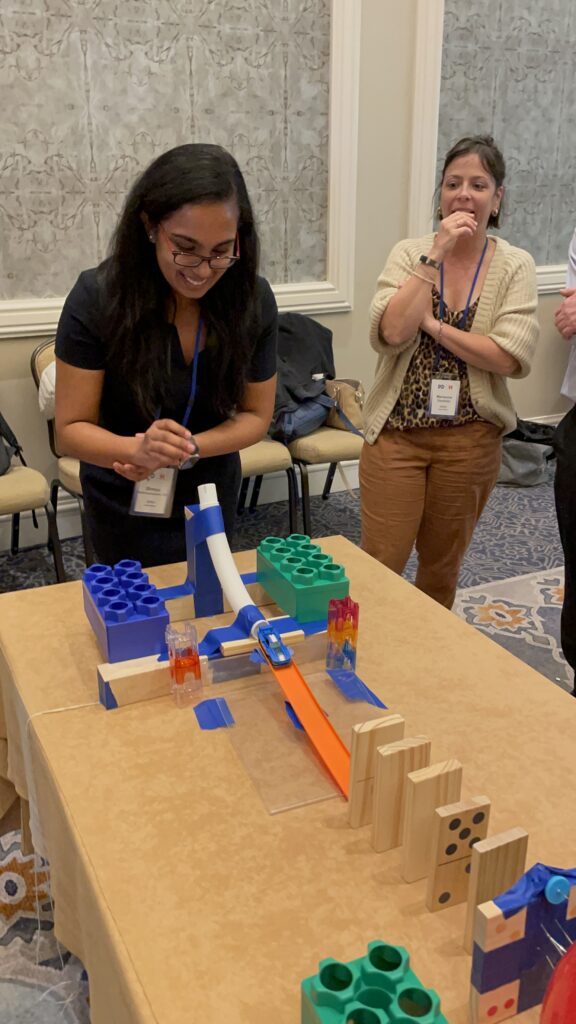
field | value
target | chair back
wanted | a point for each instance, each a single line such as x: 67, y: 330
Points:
x: 42, y: 356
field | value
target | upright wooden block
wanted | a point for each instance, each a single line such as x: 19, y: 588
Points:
x: 491, y: 1007
x: 393, y: 762
x: 426, y: 790
x: 366, y: 738
x: 457, y: 829
x: 493, y: 931
x: 497, y: 864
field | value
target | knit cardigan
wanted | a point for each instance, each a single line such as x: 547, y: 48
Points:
x: 506, y: 312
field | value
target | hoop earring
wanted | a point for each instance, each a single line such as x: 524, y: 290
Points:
x: 495, y: 213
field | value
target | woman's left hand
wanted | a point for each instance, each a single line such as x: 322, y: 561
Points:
x: 130, y: 472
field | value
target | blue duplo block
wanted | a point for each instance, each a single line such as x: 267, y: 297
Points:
x: 128, y: 617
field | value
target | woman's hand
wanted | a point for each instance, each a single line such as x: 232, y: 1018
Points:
x: 457, y: 225
x: 130, y: 472
x: 165, y: 443
x: 565, y: 315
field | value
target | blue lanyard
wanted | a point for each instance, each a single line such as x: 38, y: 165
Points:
x: 464, y: 316
x: 194, y: 373
x: 192, y: 395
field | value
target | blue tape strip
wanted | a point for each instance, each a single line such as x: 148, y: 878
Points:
x: 532, y: 884
x: 180, y: 590
x: 310, y: 628
x: 205, y: 523
x: 247, y: 617
x: 293, y: 716
x: 352, y: 687
x: 240, y: 630
x: 213, y: 714
x: 249, y: 577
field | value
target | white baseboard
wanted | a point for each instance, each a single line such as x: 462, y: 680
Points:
x: 554, y: 418
x: 274, y: 488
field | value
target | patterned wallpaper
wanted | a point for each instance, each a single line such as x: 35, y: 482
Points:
x: 509, y: 68
x: 93, y: 90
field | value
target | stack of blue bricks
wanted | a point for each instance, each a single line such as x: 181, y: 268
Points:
x: 128, y: 617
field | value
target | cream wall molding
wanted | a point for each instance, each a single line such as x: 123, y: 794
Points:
x: 427, y: 77
x: 30, y: 318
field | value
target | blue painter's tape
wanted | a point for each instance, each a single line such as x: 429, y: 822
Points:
x: 352, y: 687
x: 310, y: 628
x: 180, y: 590
x: 105, y: 695
x: 213, y: 714
x: 532, y: 884
x: 206, y: 522
x: 293, y: 716
x: 247, y: 617
x: 249, y: 577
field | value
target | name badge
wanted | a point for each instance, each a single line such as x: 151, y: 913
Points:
x: 155, y: 495
x: 444, y: 397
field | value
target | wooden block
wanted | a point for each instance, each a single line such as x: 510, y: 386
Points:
x: 490, y: 1007
x: 492, y: 930
x: 366, y: 738
x: 426, y: 790
x: 449, y: 884
x: 497, y: 864
x: 393, y: 762
x: 457, y: 829
x: 138, y: 679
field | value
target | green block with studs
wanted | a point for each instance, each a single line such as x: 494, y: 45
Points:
x: 299, y: 576
x: 379, y: 988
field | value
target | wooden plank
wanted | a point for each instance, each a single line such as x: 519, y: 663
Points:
x: 366, y: 738
x: 426, y: 790
x: 497, y: 863
x: 393, y: 762
x: 457, y: 829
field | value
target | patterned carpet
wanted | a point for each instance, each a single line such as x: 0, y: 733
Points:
x: 511, y: 589
x: 40, y: 982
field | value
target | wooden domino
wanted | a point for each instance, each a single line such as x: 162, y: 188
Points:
x: 457, y: 828
x: 393, y: 762
x: 426, y: 790
x: 497, y: 863
x: 366, y: 738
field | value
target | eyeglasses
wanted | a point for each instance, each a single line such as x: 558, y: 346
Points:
x: 191, y: 259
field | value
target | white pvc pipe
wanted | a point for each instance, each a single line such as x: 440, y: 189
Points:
x: 224, y: 565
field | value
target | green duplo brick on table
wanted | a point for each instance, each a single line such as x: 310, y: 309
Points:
x: 379, y: 988
x: 299, y: 576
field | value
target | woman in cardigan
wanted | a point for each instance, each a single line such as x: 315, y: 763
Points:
x: 454, y: 315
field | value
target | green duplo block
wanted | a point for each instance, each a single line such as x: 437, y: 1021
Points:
x: 299, y: 576
x: 378, y: 988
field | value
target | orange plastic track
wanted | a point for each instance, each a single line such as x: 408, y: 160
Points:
x: 317, y: 726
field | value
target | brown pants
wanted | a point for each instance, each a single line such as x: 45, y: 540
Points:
x: 427, y: 487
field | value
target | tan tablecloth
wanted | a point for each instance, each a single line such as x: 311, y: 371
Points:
x: 183, y: 897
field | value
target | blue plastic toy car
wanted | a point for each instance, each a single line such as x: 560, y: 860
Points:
x: 273, y: 647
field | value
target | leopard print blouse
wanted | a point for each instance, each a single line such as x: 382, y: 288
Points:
x: 411, y: 409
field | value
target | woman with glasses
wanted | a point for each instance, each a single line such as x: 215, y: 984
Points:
x: 166, y: 356
x: 453, y: 317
